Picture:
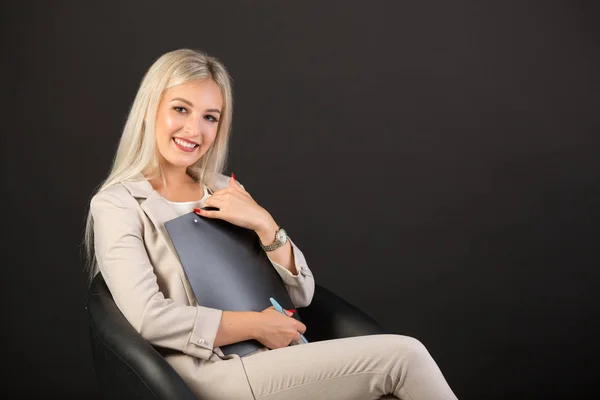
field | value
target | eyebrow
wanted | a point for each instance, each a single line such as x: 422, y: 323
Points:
x: 192, y: 105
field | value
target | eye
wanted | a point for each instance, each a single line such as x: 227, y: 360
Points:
x: 181, y: 110
x: 211, y: 118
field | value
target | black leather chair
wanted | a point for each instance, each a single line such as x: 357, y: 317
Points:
x: 128, y: 367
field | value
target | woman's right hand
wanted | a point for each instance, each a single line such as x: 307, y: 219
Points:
x: 276, y: 330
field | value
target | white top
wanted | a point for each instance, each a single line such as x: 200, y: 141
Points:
x: 185, y: 207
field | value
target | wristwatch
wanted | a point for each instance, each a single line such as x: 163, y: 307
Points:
x: 281, y: 238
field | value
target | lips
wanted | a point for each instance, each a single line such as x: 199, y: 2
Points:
x: 185, y: 145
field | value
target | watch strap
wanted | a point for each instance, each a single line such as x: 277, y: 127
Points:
x: 273, y: 246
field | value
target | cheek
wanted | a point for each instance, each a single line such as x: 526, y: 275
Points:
x: 170, y: 123
x: 167, y: 125
x: 211, y: 132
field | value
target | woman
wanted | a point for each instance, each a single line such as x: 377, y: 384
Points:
x: 168, y: 163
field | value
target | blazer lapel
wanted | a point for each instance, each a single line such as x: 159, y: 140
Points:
x: 155, y: 207
x: 159, y: 212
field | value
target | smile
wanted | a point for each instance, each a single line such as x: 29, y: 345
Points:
x: 185, y: 145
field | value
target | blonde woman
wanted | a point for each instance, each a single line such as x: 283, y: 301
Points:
x: 169, y: 162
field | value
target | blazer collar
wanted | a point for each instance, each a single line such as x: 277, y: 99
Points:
x: 157, y: 208
x: 154, y: 205
x: 139, y: 187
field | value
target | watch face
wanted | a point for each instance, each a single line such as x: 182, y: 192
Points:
x: 281, y: 235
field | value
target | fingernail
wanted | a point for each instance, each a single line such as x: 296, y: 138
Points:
x: 291, y: 311
x: 197, y: 210
x: 233, y: 176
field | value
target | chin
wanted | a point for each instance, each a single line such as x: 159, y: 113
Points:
x: 181, y: 162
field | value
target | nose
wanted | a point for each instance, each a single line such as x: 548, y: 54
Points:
x: 193, y: 126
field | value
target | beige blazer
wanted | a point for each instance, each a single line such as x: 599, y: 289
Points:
x: 142, y: 271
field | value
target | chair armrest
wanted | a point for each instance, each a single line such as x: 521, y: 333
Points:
x: 330, y: 317
x: 126, y: 365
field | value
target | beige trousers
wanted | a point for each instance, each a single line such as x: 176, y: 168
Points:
x: 357, y: 368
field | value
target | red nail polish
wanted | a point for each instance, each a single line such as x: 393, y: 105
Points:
x: 233, y: 176
x: 292, y: 311
x: 197, y: 211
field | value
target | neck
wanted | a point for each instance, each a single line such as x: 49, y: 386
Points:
x: 174, y: 177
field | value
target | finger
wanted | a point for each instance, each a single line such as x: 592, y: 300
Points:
x: 207, y: 214
x: 300, y: 327
x: 223, y: 191
x: 232, y: 182
x: 236, y: 185
x: 239, y: 185
x: 233, y: 187
x: 230, y: 193
x: 224, y: 199
x: 219, y: 202
x: 297, y: 337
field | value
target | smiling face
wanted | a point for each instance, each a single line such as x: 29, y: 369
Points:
x: 187, y: 122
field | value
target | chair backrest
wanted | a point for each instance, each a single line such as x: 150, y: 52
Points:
x: 126, y: 365
x: 329, y: 316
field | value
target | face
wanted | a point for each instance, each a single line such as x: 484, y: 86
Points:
x: 187, y: 121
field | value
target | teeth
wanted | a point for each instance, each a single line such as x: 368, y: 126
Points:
x: 185, y: 144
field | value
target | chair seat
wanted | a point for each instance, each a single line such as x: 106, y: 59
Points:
x: 128, y: 367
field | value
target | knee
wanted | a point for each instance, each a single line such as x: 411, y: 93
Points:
x: 411, y: 348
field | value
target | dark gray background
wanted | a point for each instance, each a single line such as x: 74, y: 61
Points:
x: 435, y: 161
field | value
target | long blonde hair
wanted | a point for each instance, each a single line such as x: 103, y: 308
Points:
x: 137, y: 153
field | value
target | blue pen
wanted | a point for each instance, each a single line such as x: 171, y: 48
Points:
x: 280, y: 309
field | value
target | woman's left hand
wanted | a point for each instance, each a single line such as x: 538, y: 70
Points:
x: 237, y: 207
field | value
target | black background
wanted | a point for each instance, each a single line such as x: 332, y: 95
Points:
x: 436, y: 161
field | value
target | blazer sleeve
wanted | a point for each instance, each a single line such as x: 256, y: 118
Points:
x: 126, y: 268
x: 300, y: 287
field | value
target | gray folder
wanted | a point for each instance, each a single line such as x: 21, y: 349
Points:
x: 227, y: 269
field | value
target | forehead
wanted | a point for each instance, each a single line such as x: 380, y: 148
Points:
x: 202, y: 93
